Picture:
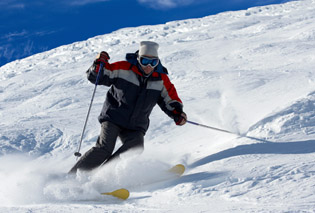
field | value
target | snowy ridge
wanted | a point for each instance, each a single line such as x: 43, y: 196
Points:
x: 250, y: 72
x: 292, y: 123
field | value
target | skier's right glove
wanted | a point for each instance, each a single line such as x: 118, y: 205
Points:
x: 102, y: 57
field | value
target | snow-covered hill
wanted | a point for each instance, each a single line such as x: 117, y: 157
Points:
x: 250, y: 72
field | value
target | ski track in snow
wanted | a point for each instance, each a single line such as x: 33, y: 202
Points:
x: 250, y: 72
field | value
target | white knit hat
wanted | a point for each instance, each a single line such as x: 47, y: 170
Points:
x: 149, y: 48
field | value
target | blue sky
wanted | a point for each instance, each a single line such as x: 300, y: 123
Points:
x: 31, y: 26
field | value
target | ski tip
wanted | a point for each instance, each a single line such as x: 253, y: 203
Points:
x: 119, y: 193
x: 179, y: 169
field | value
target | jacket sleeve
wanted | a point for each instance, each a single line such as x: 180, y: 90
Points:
x: 169, y: 101
x: 107, y: 77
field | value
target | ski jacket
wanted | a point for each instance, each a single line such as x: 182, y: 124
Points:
x: 132, y: 96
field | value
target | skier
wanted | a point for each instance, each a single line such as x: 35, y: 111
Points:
x: 136, y: 86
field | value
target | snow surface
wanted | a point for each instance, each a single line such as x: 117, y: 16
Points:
x: 250, y: 72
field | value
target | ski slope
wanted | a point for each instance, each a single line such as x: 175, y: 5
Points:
x: 250, y: 72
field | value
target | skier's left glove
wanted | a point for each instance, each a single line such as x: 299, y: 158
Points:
x: 180, y: 118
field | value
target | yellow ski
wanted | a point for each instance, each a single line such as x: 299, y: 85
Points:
x: 179, y: 169
x: 123, y: 194
x: 120, y: 193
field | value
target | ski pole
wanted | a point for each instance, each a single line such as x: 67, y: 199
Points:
x: 226, y: 131
x: 210, y: 127
x: 78, y: 154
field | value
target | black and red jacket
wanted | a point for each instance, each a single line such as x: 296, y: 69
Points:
x: 132, y: 96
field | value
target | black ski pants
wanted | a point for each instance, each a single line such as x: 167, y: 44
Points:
x: 102, y: 152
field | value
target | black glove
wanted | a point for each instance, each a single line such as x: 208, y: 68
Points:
x: 180, y: 118
x: 102, y: 57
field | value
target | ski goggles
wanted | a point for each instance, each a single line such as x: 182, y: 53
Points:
x: 145, y: 61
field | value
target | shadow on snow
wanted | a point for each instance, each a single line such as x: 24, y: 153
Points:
x: 298, y: 147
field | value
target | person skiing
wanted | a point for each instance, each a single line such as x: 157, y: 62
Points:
x: 136, y: 86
